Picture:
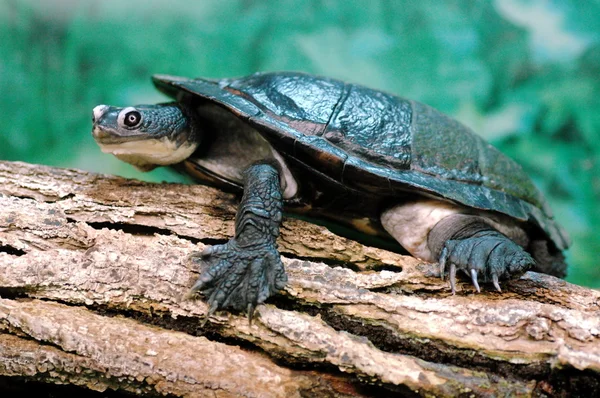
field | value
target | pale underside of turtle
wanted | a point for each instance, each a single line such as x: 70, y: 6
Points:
x: 378, y: 163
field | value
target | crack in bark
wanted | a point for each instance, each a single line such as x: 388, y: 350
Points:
x: 145, y: 230
x: 138, y: 229
x: 13, y: 386
x: 13, y: 251
x: 430, y: 349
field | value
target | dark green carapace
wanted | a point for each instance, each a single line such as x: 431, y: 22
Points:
x: 366, y: 159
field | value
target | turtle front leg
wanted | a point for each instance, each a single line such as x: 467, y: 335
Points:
x: 245, y: 271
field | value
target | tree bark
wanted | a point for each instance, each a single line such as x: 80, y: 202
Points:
x: 94, y: 268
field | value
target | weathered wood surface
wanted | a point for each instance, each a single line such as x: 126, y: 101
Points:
x: 93, y: 269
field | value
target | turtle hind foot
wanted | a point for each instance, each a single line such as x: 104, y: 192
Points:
x: 238, y: 277
x: 488, y: 256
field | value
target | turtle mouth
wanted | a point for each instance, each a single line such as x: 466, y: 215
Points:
x: 106, y: 136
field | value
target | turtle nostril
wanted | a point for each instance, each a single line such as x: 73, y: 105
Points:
x: 98, y: 112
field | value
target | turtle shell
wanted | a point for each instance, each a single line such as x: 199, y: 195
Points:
x: 374, y: 141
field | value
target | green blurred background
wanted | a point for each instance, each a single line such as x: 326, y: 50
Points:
x: 523, y: 74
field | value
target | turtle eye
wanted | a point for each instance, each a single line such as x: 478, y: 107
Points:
x: 132, y: 119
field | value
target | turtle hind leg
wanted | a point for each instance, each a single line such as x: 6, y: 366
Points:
x: 468, y: 243
x: 485, y: 249
x: 245, y: 271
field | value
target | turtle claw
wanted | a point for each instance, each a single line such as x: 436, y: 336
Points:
x: 453, y: 278
x: 474, y: 279
x: 487, y: 257
x: 250, y: 311
x: 238, y: 277
x: 443, y: 257
x: 211, y: 310
x: 495, y: 282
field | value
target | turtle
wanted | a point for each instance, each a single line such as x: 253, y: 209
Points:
x: 354, y: 156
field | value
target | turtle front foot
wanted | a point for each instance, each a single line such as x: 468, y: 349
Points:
x: 487, y: 256
x: 245, y: 271
x: 238, y: 277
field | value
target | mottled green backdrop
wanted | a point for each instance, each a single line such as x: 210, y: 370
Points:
x: 524, y: 74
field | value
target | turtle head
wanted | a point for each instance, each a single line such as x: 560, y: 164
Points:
x: 146, y: 136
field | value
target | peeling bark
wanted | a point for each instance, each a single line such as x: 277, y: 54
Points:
x: 93, y: 269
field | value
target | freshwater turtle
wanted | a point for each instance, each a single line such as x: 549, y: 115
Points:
x: 379, y: 163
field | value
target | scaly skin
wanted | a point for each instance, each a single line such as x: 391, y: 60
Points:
x: 245, y: 271
x: 468, y: 243
x: 488, y: 255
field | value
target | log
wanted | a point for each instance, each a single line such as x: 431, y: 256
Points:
x: 94, y: 270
